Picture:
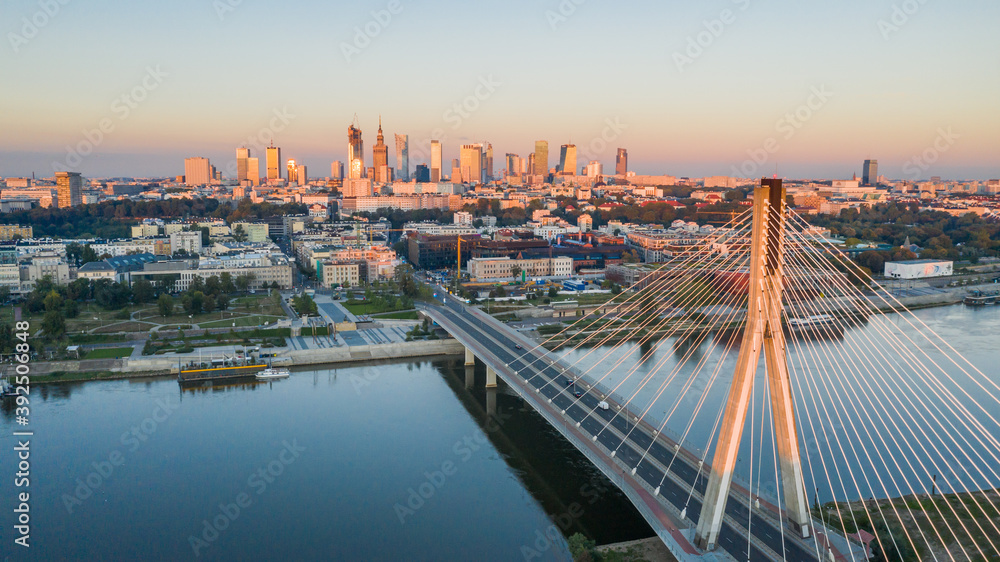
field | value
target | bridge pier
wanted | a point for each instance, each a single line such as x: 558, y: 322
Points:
x: 470, y: 357
x: 491, y: 402
x: 491, y: 377
x: 470, y: 377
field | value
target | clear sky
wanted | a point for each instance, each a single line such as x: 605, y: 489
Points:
x: 689, y: 93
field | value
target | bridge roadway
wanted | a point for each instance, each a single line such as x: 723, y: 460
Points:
x: 479, y: 332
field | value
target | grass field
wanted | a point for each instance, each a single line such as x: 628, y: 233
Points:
x: 109, y: 353
x: 365, y: 308
x: 407, y: 315
x: 242, y: 321
x: 124, y: 327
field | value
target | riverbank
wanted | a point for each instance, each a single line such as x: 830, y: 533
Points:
x: 646, y: 550
x: 145, y: 367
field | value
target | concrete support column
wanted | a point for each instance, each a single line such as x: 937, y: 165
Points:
x: 491, y: 377
x: 470, y: 377
x: 491, y: 401
x: 470, y: 357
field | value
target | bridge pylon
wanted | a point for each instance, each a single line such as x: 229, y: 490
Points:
x: 763, y: 332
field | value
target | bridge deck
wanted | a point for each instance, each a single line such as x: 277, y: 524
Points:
x: 536, y: 376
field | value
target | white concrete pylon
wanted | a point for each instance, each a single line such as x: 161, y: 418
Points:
x: 763, y: 332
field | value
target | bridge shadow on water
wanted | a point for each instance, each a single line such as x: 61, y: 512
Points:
x: 572, y: 491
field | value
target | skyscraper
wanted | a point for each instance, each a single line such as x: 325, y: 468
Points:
x: 300, y: 175
x: 541, y: 158
x: 488, y: 163
x: 292, y: 175
x: 403, y: 157
x: 422, y: 173
x: 567, y: 160
x: 512, y: 165
x: 380, y: 154
x: 355, y: 152
x: 471, y: 163
x: 253, y: 170
x: 337, y: 170
x: 435, y: 161
x: 273, y: 162
x: 197, y: 171
x: 69, y: 186
x: 531, y: 164
x: 870, y: 175
x: 242, y: 158
x: 621, y: 163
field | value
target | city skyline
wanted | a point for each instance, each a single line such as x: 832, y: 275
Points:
x: 706, y: 87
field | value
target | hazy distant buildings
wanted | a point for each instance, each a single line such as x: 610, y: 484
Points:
x: 435, y: 161
x: 595, y: 169
x: 69, y: 186
x: 380, y: 156
x: 870, y: 174
x: 621, y: 162
x: 567, y: 160
x: 297, y: 173
x: 488, y: 163
x: 422, y: 173
x: 242, y: 164
x: 273, y: 163
x: 361, y: 187
x: 515, y: 166
x: 197, y: 171
x: 253, y: 171
x: 471, y: 163
x: 402, y: 157
x: 541, y: 163
x: 355, y: 153
x: 337, y: 170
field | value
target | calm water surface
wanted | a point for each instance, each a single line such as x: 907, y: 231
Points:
x: 383, y: 462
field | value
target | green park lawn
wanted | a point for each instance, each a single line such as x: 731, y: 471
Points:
x: 109, y: 353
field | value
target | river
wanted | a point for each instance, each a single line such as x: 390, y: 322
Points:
x: 396, y: 461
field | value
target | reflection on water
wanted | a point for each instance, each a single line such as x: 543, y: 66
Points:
x: 414, y: 461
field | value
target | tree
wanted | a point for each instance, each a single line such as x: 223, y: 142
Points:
x: 239, y: 234
x: 142, y: 291
x: 53, y: 324
x: 197, y: 284
x: 206, y: 236
x: 111, y: 295
x: 226, y: 283
x: 79, y: 290
x: 4, y: 293
x: 243, y: 281
x: 213, y: 286
x: 193, y: 302
x: 88, y: 255
x: 553, y: 292
x: 630, y: 256
x: 53, y: 302
x: 165, y: 304
x: 222, y: 302
x: 71, y: 309
x: 515, y: 272
x: 73, y: 252
x: 208, y: 305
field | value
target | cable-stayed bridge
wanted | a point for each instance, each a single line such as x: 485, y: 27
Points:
x: 838, y: 399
